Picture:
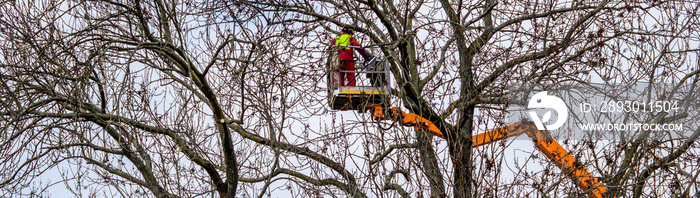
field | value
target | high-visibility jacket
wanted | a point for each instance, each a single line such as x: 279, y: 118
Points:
x: 345, y: 53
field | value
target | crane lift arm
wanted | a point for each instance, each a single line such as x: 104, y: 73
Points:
x: 542, y: 140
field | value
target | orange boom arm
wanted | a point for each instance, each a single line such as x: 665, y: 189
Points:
x: 553, y: 150
x: 543, y: 141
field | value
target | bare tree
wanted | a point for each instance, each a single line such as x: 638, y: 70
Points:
x: 119, y: 87
x: 227, y: 98
x: 483, y: 47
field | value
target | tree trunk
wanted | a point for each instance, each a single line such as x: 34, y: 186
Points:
x: 430, y: 165
x: 461, y: 152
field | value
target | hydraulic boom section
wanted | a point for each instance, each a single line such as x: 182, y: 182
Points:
x: 406, y: 119
x: 542, y: 140
x: 551, y: 148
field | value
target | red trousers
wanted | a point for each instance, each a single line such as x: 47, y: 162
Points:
x: 349, y: 66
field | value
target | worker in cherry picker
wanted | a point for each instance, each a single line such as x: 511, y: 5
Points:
x: 345, y: 54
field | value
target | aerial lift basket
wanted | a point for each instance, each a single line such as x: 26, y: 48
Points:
x: 373, y: 91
